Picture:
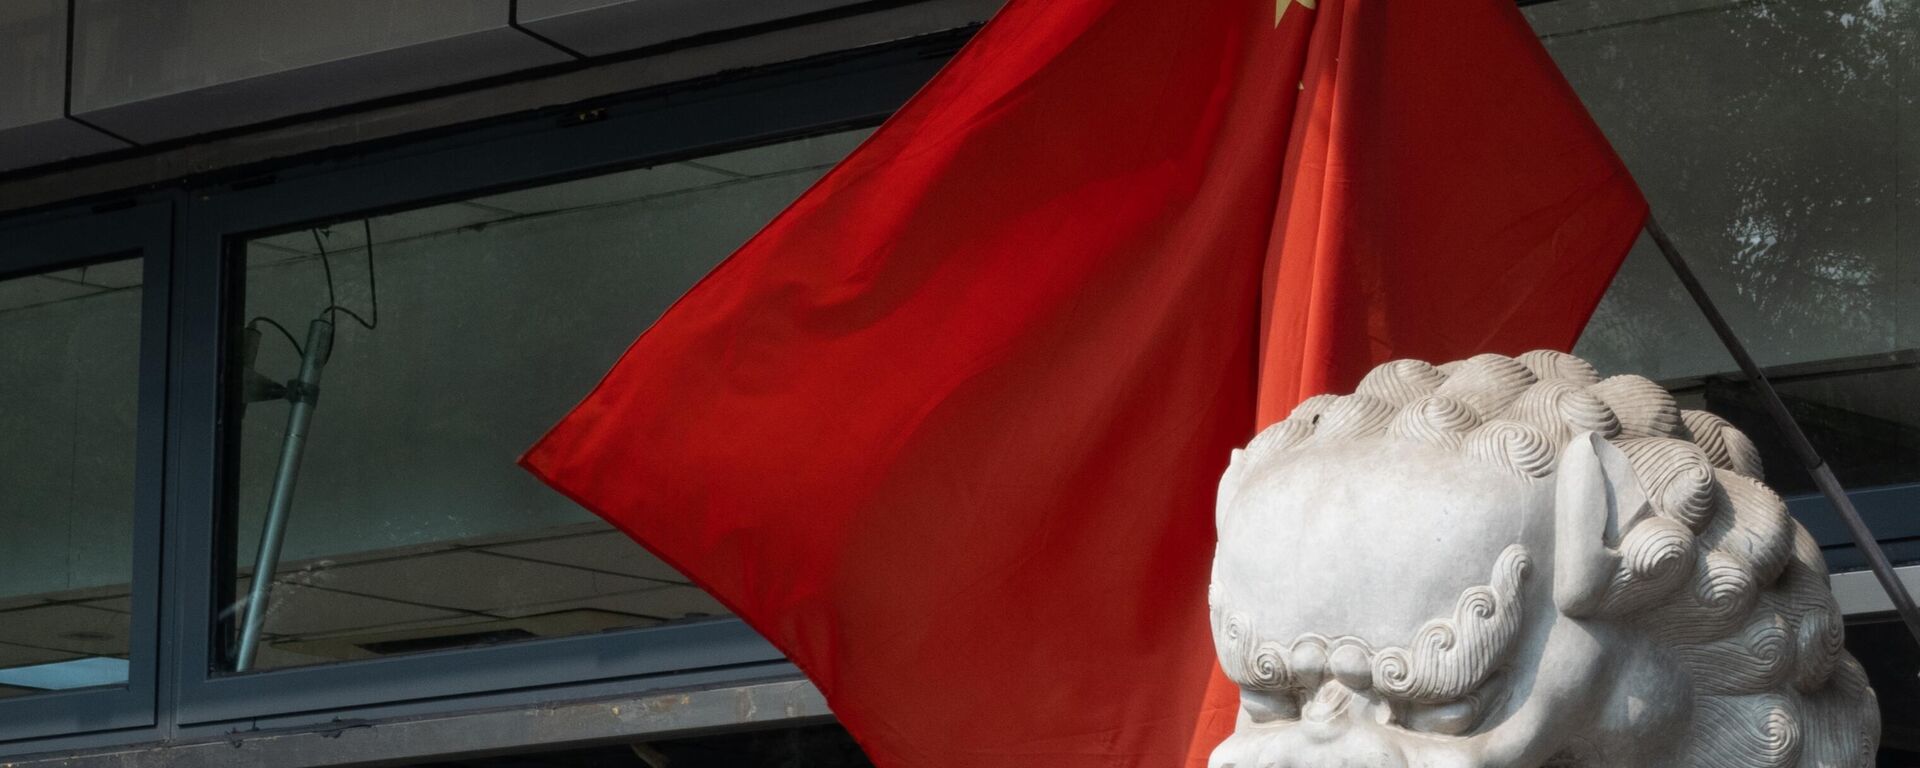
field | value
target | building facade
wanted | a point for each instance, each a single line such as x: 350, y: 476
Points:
x: 489, y: 199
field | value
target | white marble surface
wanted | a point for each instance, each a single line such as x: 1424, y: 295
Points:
x: 1513, y: 562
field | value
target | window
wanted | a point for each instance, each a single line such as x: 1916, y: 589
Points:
x: 499, y: 273
x: 383, y: 395
x: 71, y: 339
x: 82, y: 371
x: 151, y: 351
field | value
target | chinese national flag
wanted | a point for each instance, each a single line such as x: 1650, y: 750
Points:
x: 947, y: 432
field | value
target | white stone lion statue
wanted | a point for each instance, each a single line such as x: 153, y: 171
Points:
x: 1513, y: 562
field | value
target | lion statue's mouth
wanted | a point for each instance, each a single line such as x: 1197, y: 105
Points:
x: 1514, y: 562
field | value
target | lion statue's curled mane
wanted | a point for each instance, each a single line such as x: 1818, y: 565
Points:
x: 1714, y: 569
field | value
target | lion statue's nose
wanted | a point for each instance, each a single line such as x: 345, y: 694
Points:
x: 1346, y: 741
x: 1333, y: 746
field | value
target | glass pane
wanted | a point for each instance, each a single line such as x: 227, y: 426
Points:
x: 410, y: 527
x: 1773, y: 141
x: 69, y: 369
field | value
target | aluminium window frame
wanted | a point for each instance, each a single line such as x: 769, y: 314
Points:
x: 847, y: 91
x: 1887, y: 509
x: 40, y: 244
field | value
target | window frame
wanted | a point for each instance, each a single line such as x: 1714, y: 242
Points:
x: 41, y: 244
x: 1887, y: 511
x: 665, y: 125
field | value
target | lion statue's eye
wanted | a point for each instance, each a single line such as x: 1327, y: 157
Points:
x: 1270, y: 706
x: 1448, y: 719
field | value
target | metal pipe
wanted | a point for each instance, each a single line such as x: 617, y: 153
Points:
x: 305, y: 394
x: 1796, y: 438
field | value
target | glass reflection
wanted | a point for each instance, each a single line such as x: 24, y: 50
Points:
x: 71, y: 345
x: 460, y: 336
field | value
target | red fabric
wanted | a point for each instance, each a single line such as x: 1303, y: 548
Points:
x: 947, y: 431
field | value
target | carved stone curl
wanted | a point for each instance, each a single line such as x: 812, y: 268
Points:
x: 1514, y: 562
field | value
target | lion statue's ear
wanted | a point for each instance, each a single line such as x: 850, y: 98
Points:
x: 1595, y: 495
x: 1229, y: 486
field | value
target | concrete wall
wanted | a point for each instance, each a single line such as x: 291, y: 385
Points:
x: 144, y: 72
x: 153, y: 70
x: 34, y: 127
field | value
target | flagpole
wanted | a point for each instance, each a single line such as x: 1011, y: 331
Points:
x: 1797, y: 439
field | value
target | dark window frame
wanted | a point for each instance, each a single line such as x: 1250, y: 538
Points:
x: 848, y: 91
x: 48, y: 243
x: 1888, y: 511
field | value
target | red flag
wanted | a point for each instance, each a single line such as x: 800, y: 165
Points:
x: 947, y: 431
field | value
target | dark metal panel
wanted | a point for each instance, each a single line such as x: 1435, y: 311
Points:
x: 151, y: 70
x: 597, y: 27
x: 34, y: 128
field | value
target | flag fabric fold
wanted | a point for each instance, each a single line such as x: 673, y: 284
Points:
x: 947, y: 431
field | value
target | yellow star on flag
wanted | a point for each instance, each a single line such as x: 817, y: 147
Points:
x: 1280, y: 8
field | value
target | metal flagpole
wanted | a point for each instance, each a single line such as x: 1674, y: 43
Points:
x: 1810, y: 458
